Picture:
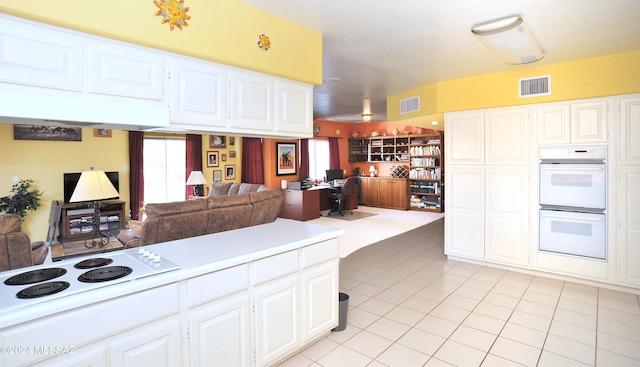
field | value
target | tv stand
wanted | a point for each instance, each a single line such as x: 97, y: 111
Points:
x: 76, y: 219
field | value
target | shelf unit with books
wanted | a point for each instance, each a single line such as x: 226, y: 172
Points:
x: 426, y: 173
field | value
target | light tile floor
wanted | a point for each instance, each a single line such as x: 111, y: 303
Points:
x: 411, y: 306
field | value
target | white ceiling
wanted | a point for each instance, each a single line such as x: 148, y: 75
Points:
x: 377, y: 48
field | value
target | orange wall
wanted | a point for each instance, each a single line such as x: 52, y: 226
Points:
x: 342, y: 131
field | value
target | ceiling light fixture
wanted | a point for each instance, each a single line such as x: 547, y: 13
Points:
x: 366, y: 110
x: 509, y: 39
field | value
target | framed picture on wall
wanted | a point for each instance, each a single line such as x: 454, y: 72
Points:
x: 217, y: 175
x: 217, y: 141
x: 286, y: 159
x: 230, y: 171
x: 232, y: 140
x: 212, y: 159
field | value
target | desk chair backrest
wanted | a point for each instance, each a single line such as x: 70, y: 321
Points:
x: 348, y: 186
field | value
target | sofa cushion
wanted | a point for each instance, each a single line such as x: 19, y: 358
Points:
x: 266, y: 206
x: 233, y: 190
x: 177, y: 207
x: 214, y: 202
x: 246, y: 188
x: 219, y: 188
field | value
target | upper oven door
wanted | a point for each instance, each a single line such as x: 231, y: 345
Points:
x: 573, y: 185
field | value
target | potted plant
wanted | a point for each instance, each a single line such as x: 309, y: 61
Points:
x: 23, y: 200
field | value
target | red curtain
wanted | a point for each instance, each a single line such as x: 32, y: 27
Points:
x: 136, y: 173
x: 304, y: 158
x: 194, y: 159
x: 334, y: 154
x: 252, y: 165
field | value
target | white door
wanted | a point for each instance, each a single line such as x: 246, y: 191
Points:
x: 507, y: 137
x: 277, y: 325
x: 464, y: 224
x: 319, y: 300
x: 220, y: 333
x: 157, y: 344
x: 252, y: 101
x: 198, y: 94
x: 464, y: 138
x: 553, y: 124
x: 589, y: 122
x: 294, y: 108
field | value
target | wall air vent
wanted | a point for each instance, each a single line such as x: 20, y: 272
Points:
x: 411, y: 104
x: 534, y: 87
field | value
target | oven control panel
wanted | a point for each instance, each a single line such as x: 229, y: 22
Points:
x: 573, y: 153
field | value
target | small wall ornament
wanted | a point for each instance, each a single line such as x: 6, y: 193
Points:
x: 263, y: 42
x: 173, y: 12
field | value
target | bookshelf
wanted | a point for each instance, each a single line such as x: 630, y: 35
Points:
x: 426, y: 173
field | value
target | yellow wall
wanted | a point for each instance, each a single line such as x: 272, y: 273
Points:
x: 46, y: 161
x: 595, y: 77
x: 224, y: 31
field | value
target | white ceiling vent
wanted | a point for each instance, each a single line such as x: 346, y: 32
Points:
x: 533, y: 87
x: 411, y: 104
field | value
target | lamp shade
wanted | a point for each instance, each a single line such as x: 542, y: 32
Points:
x: 196, y: 178
x: 372, y: 169
x: 92, y: 186
x: 509, y: 39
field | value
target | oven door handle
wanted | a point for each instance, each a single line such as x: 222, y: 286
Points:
x: 564, y: 168
x: 571, y: 217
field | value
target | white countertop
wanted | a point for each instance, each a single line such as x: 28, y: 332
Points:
x: 195, y: 256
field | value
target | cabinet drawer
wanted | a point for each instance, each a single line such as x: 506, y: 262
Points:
x: 292, y: 197
x: 319, y: 253
x: 275, y: 266
x: 217, y: 284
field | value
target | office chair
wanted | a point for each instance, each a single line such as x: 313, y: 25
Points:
x: 341, y: 196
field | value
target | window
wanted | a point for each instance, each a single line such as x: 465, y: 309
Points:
x: 164, y: 169
x: 318, y: 158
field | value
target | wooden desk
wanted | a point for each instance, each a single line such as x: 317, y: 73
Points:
x: 307, y: 204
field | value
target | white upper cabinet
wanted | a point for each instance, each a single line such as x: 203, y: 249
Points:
x: 572, y: 123
x: 252, y: 102
x: 40, y: 57
x: 198, y: 93
x: 629, y: 130
x: 294, y: 110
x: 464, y: 138
x: 507, y: 137
x: 122, y: 70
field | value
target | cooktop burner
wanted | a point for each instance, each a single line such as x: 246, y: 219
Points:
x: 35, y: 276
x: 93, y: 263
x: 105, y: 274
x: 42, y: 289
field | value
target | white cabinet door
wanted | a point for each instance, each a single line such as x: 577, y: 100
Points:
x: 464, y: 138
x: 156, y: 344
x: 295, y: 108
x: 507, y: 137
x: 220, y: 332
x: 252, y: 102
x: 589, y: 122
x: 37, y: 56
x: 464, y: 225
x: 553, y: 124
x: 629, y: 228
x: 506, y: 215
x: 319, y: 300
x: 120, y: 70
x: 277, y: 325
x: 629, y: 130
x: 198, y: 93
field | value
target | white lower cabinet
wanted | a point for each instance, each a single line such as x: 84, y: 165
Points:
x: 156, y: 344
x: 319, y: 300
x: 277, y: 318
x: 464, y: 224
x: 220, y: 332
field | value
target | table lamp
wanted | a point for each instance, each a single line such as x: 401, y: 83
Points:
x: 372, y: 171
x: 196, y: 178
x: 94, y: 186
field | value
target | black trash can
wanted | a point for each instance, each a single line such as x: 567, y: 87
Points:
x: 343, y: 306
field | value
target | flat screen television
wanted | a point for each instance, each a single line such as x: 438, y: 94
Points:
x: 71, y: 181
x: 333, y: 174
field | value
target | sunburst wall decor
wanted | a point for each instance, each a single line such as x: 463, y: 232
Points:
x: 263, y: 42
x: 173, y: 12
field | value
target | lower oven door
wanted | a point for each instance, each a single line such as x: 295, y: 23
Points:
x: 573, y: 185
x: 580, y: 234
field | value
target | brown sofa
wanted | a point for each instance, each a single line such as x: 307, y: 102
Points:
x: 228, y: 206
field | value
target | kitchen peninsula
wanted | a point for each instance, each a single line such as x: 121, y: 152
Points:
x: 247, y: 297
